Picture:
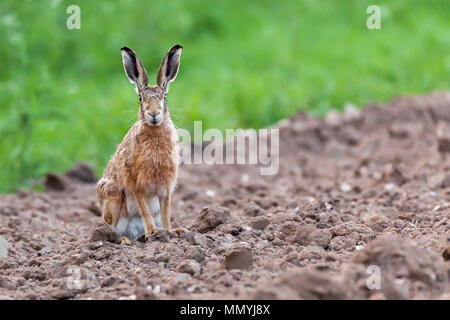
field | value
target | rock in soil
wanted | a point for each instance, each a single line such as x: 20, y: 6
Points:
x: 188, y: 266
x: 238, y: 259
x: 321, y: 237
x: 195, y: 253
x: 55, y: 182
x: 308, y: 284
x: 210, y: 217
x: 103, y: 231
x: 161, y: 235
x: 446, y: 254
x: 260, y: 223
x: 82, y: 172
x: 405, y: 267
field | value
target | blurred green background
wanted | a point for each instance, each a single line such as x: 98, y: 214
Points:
x: 64, y: 96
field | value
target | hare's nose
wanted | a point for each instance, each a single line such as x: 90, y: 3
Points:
x: 154, y: 115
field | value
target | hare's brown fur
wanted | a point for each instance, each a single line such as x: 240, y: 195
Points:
x: 145, y: 164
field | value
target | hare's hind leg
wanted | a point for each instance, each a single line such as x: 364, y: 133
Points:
x: 111, y: 211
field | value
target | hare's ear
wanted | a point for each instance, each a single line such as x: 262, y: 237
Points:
x: 134, y: 68
x: 169, y: 67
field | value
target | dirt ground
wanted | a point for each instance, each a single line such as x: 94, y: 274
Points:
x: 360, y: 208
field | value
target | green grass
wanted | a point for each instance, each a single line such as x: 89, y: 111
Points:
x: 64, y: 96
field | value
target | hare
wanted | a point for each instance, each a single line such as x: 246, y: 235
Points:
x: 136, y: 187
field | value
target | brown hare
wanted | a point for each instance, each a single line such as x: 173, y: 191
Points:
x: 136, y: 187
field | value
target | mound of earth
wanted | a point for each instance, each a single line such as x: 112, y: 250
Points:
x: 359, y: 209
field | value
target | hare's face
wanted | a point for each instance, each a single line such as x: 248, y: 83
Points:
x: 152, y: 98
x: 153, y: 105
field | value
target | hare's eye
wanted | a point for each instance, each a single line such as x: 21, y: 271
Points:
x: 165, y: 96
x: 140, y: 98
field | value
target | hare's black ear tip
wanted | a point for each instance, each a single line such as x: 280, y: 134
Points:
x: 177, y: 47
x: 126, y: 49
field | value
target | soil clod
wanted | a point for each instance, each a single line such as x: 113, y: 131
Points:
x: 238, y: 259
x: 103, y: 231
x: 210, y: 217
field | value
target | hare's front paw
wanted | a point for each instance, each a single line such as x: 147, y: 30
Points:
x: 179, y: 231
x: 150, y: 231
x: 125, y: 241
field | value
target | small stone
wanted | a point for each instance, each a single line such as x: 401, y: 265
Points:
x: 196, y: 238
x: 95, y: 245
x: 345, y: 187
x: 302, y: 233
x: 82, y: 172
x: 265, y: 203
x: 163, y: 257
x: 253, y: 210
x: 109, y: 281
x: 7, y: 283
x: 174, y: 249
x: 104, y: 232
x: 348, y: 228
x: 321, y: 237
x: 43, y: 251
x: 238, y: 259
x: 162, y: 235
x: 210, y: 217
x: 55, y: 182
x: 287, y: 231
x: 290, y: 258
x: 446, y: 254
x: 377, y: 223
x: 312, y: 252
x: 260, y: 223
x: 195, y: 253
x: 189, y: 266
x: 228, y: 202
x: 397, y: 174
